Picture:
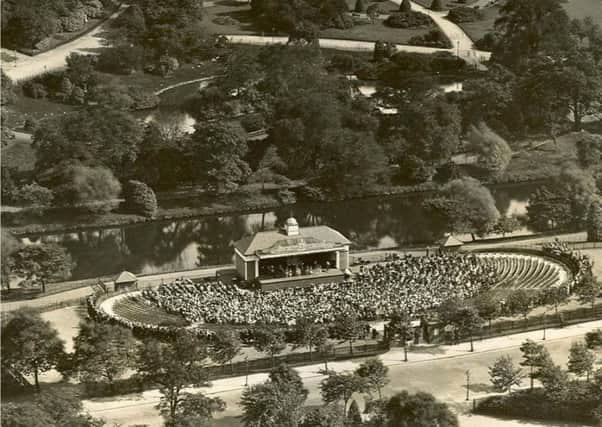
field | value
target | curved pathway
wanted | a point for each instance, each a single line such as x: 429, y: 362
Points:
x: 27, y: 67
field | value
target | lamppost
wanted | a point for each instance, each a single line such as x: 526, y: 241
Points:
x: 544, y: 324
x: 467, y: 373
x: 458, y: 51
x: 246, y: 371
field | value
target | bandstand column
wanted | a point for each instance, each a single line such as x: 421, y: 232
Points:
x: 338, y: 262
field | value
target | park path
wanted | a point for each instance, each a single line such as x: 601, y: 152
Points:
x: 27, y: 67
x: 438, y: 370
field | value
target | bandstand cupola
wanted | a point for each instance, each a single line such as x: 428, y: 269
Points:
x: 291, y: 227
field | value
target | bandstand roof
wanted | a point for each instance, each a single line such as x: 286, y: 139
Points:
x: 126, y: 277
x: 450, y: 241
x: 275, y: 242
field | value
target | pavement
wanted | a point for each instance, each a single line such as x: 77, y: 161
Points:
x: 26, y: 67
x: 439, y: 370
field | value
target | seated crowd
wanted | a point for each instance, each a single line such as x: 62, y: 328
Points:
x: 409, y: 284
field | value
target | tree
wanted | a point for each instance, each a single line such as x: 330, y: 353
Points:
x: 9, y: 246
x: 226, y: 346
x: 504, y: 375
x: 34, y: 195
x: 269, y: 340
x: 173, y: 366
x: 103, y: 351
x: 530, y: 27
x: 308, y: 333
x: 555, y: 382
x: 48, y: 410
x: 437, y: 5
x: 140, y: 199
x: 95, y: 188
x: 467, y: 320
x: 93, y: 137
x: 536, y: 357
x: 593, y: 339
x: 275, y: 403
x: 487, y: 305
x: 581, y: 359
x: 373, y: 11
x: 194, y: 410
x: 555, y: 295
x: 494, y: 152
x: 418, y: 410
x: 594, y: 223
x: 42, y: 263
x: 519, y: 302
x: 269, y: 165
x: 323, y: 416
x: 340, y: 387
x: 360, y: 6
x: 374, y: 373
x: 466, y: 206
x: 347, y: 327
x: 326, y: 349
x: 222, y: 166
x: 506, y: 224
x: 7, y: 95
x: 588, y: 290
x: 354, y: 416
x: 405, y: 6
x: 30, y: 345
x: 589, y: 149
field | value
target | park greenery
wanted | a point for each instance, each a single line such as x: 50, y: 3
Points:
x: 565, y: 394
x: 538, y: 82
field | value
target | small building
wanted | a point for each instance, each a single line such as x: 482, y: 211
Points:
x: 449, y: 243
x: 126, y: 281
x: 292, y: 253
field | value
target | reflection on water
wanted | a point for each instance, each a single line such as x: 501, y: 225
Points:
x: 177, y: 245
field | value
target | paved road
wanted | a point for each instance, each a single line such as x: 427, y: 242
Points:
x: 437, y: 370
x: 26, y: 67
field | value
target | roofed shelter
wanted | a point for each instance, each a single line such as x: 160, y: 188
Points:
x: 126, y: 281
x: 449, y: 243
x: 292, y: 253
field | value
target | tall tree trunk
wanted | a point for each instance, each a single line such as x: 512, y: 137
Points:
x: 36, y: 379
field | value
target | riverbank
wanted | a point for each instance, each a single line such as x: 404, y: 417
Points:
x: 23, y: 223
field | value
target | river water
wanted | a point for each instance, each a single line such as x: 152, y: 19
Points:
x: 183, y: 244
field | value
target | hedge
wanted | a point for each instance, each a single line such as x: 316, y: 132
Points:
x: 140, y: 199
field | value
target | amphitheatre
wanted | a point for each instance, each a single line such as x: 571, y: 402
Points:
x: 408, y: 283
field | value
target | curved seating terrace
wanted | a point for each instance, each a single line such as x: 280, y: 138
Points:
x: 413, y: 284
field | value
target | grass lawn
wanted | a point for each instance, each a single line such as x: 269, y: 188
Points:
x: 476, y: 30
x: 447, y: 4
x: 376, y: 31
x: 543, y: 162
x: 18, y: 153
x: 241, y: 22
x: 576, y: 9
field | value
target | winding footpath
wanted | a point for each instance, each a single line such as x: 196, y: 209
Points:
x: 28, y: 67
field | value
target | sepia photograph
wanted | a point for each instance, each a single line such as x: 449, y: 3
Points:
x: 301, y: 213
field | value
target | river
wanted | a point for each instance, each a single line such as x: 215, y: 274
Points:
x: 153, y: 247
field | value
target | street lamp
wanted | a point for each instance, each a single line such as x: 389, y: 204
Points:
x: 467, y: 373
x: 458, y: 51
x: 544, y: 324
x: 246, y: 371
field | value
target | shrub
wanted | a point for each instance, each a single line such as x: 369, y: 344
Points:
x: 31, y: 124
x: 253, y: 122
x: 91, y: 188
x: 464, y: 14
x: 434, y: 38
x: 167, y: 65
x: 405, y: 6
x: 360, y: 6
x: 33, y: 195
x: 594, y: 223
x: 488, y: 42
x: 408, y: 20
x: 437, y: 5
x: 74, y: 21
x: 35, y: 90
x: 140, y: 199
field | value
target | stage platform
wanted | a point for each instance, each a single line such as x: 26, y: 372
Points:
x: 329, y: 276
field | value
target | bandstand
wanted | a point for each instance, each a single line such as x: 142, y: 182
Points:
x: 292, y: 256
